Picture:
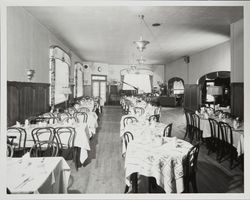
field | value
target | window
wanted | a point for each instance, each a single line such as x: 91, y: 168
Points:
x: 178, y: 87
x: 140, y: 81
x: 78, y: 79
x: 59, y: 75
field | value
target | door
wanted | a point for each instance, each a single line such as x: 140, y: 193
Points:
x: 99, y: 85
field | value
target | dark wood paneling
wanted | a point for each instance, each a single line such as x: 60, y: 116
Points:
x: 237, y: 99
x: 26, y: 100
x: 192, y: 98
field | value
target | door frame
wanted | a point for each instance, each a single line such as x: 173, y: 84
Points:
x: 98, y: 81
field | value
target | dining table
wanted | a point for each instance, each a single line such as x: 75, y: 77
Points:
x: 38, y: 175
x: 158, y: 157
x: 238, y: 133
x: 82, y: 135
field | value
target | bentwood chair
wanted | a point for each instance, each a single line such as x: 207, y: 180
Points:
x: 196, y: 132
x: 227, y: 150
x: 128, y: 120
x: 139, y: 110
x: 190, y: 168
x: 10, y: 150
x: 188, y: 124
x: 44, y: 149
x: 84, y: 109
x: 42, y: 134
x: 127, y: 137
x: 81, y: 117
x: 214, y: 140
x: 168, y: 130
x: 16, y: 137
x: 153, y: 118
x: 66, y: 139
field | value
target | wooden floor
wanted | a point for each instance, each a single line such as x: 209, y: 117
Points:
x: 103, y: 171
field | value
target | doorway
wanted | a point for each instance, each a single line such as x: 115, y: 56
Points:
x: 99, y: 86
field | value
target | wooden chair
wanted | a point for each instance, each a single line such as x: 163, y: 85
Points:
x: 63, y: 115
x: 157, y: 112
x: 153, y: 118
x: 190, y: 168
x: 195, y: 128
x: 213, y: 141
x: 10, y: 150
x: 127, y: 137
x: 70, y: 119
x: 84, y: 109
x: 168, y: 130
x: 227, y: 150
x: 139, y: 110
x: 43, y: 134
x: 81, y: 117
x: 129, y: 119
x: 188, y: 124
x: 44, y: 149
x: 16, y: 137
x: 66, y: 139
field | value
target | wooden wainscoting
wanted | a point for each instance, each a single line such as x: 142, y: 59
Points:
x: 26, y: 99
x: 192, y: 98
x: 237, y: 99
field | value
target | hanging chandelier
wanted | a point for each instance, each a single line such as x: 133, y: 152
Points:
x: 141, y: 44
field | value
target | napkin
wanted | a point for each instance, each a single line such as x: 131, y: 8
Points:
x: 197, y: 112
x: 206, y: 116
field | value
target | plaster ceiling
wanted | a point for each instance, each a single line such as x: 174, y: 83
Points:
x: 106, y: 34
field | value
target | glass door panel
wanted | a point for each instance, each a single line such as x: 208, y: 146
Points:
x: 95, y: 88
x: 103, y: 90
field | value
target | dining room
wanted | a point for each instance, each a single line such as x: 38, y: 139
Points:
x: 124, y: 100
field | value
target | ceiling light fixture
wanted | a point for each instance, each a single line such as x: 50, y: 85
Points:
x: 141, y: 44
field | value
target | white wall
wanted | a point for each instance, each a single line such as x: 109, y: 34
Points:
x: 237, y: 51
x: 213, y: 59
x: 28, y: 44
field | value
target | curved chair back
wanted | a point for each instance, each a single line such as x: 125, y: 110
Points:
x: 127, y: 136
x: 83, y: 109
x: 70, y: 119
x: 81, y: 117
x: 214, y: 128
x: 42, y: 134
x: 16, y: 137
x: 63, y: 115
x: 10, y: 150
x: 167, y: 130
x: 190, y: 167
x: 226, y: 133
x: 44, y: 149
x: 128, y: 120
x: 65, y: 137
x: 153, y: 118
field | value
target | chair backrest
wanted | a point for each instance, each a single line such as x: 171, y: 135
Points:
x: 70, y: 119
x: 128, y: 120
x: 81, y: 117
x: 16, y: 137
x: 42, y: 134
x: 153, y: 118
x: 71, y: 110
x: 167, y: 130
x: 195, y: 120
x: 10, y: 150
x: 127, y: 136
x: 44, y: 149
x: 214, y: 128
x: 188, y: 118
x: 65, y: 137
x: 139, y: 110
x: 226, y: 132
x: 190, y: 162
x: 63, y: 115
x: 83, y: 109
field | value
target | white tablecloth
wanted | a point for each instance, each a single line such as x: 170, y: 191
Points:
x: 238, y: 134
x: 37, y: 175
x: 82, y: 136
x: 163, y: 162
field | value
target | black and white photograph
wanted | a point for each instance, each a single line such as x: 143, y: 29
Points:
x: 124, y: 99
